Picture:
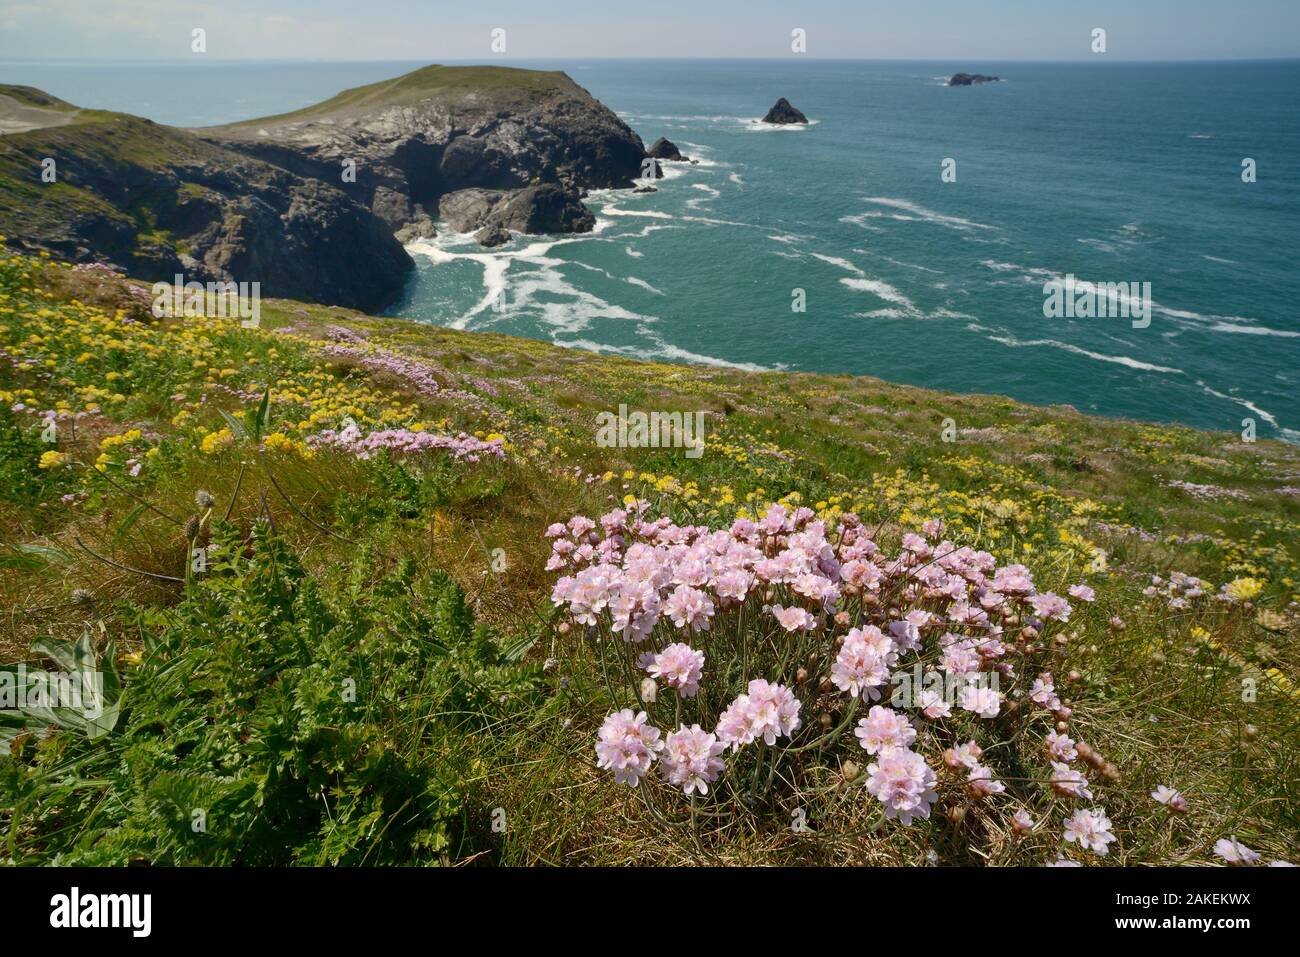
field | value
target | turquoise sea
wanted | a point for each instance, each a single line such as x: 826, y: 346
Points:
x: 1111, y: 172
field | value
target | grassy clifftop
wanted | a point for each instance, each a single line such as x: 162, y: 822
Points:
x: 432, y: 82
x: 423, y: 573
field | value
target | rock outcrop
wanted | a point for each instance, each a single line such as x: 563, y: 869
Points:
x: 665, y: 149
x: 422, y: 138
x: 971, y: 79
x: 784, y: 114
x: 545, y: 208
x: 157, y: 201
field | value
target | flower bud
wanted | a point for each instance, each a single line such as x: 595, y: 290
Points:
x: 649, y: 690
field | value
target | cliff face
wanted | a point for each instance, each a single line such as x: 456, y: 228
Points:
x: 308, y: 203
x: 419, y: 138
x: 158, y: 201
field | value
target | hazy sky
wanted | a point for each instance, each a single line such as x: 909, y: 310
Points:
x: 431, y: 30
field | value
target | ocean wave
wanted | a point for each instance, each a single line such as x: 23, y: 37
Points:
x: 837, y: 261
x: 1291, y: 435
x: 1036, y: 275
x: 881, y: 290
x: 908, y: 211
x: 756, y: 125
x: 643, y: 284
x: 658, y: 348
x: 1132, y: 363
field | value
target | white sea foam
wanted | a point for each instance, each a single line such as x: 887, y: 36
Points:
x: 1035, y: 275
x: 1099, y: 356
x: 508, y: 291
x: 657, y: 348
x: 643, y: 284
x: 908, y: 211
x: 837, y: 261
x: 756, y: 125
x: 643, y: 213
x: 881, y: 290
x: 1291, y: 435
x: 711, y: 194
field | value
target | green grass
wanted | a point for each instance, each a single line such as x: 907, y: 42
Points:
x: 430, y: 82
x: 492, y: 705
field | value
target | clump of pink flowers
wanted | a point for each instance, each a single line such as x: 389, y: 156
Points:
x: 799, y: 618
x: 627, y: 746
x: 363, y: 446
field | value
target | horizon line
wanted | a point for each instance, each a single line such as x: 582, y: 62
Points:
x: 495, y: 61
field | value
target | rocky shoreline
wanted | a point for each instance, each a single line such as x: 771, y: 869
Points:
x: 317, y: 204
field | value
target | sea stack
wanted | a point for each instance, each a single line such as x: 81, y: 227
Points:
x: 664, y: 149
x: 971, y: 79
x: 782, y: 113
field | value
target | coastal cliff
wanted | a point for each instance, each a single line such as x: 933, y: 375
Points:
x: 315, y: 204
x: 415, y: 140
x: 156, y: 201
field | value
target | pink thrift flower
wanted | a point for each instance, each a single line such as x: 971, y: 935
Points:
x: 679, y: 666
x: 794, y: 618
x: 984, y: 702
x: 884, y: 728
x: 692, y: 759
x: 689, y: 608
x: 965, y: 756
x: 1061, y: 746
x: 1090, y: 829
x: 1170, y: 798
x: 902, y: 781
x: 982, y: 783
x: 627, y: 746
x: 1082, y: 592
x: 1067, y: 781
x: 1235, y: 853
x: 933, y: 704
x: 859, y: 667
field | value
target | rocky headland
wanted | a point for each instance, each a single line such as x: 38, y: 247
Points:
x: 314, y: 204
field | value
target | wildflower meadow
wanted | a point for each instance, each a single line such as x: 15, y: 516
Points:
x: 361, y: 591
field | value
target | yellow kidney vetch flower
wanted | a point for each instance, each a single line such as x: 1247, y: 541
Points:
x: 279, y: 442
x: 1243, y: 589
x: 214, y: 442
x: 53, y: 459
